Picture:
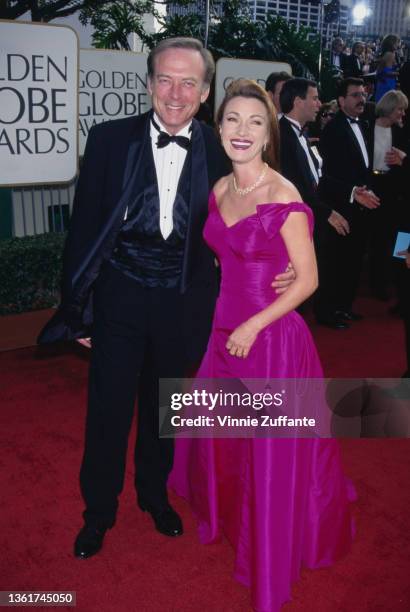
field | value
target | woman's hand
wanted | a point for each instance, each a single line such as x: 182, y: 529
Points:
x: 242, y: 338
x: 406, y: 256
x: 394, y: 157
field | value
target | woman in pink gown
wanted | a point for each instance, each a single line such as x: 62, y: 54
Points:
x: 282, y: 503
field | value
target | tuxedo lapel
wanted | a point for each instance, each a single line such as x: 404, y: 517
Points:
x: 313, y: 156
x: 139, y: 139
x: 198, y: 201
x: 353, y: 140
x: 302, y: 162
x: 107, y: 236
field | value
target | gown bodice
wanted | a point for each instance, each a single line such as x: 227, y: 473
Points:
x: 251, y: 251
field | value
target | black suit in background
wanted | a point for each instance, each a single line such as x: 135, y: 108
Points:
x: 162, y: 319
x: 295, y: 167
x: 342, y: 60
x: 343, y: 169
x: 393, y: 190
x: 352, y: 67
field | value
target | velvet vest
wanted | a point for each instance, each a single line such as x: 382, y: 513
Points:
x: 140, y: 250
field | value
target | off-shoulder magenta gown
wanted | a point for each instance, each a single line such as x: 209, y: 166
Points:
x: 282, y: 503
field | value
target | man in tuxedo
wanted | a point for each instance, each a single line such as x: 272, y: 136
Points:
x: 135, y: 248
x: 353, y: 66
x: 140, y: 280
x: 301, y: 163
x: 273, y: 86
x: 337, y: 56
x: 346, y: 174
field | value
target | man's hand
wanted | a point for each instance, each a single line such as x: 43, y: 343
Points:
x: 284, y: 280
x: 85, y: 342
x: 366, y: 197
x: 406, y: 255
x: 394, y: 157
x: 340, y: 224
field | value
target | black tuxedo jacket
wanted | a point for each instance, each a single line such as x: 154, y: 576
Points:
x: 109, y: 177
x: 352, y: 67
x: 343, y: 60
x: 295, y: 167
x: 343, y: 165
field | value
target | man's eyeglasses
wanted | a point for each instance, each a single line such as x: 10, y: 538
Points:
x: 358, y: 94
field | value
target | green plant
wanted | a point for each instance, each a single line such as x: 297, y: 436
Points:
x: 114, y: 21
x: 44, y: 10
x: 30, y: 272
x: 234, y: 33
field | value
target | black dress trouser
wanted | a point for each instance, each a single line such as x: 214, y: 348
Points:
x: 382, y: 234
x: 340, y: 265
x: 133, y: 327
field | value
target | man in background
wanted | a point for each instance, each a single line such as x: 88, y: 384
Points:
x: 344, y: 186
x: 273, y: 86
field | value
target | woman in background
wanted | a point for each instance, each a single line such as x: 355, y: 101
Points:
x: 386, y: 75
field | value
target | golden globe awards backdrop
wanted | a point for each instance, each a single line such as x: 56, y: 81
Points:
x: 257, y: 70
x: 38, y: 103
x: 112, y: 85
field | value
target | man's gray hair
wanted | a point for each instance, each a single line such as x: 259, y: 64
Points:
x: 183, y: 43
x: 390, y: 102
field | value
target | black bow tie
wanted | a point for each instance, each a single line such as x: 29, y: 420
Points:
x: 356, y: 121
x: 164, y: 139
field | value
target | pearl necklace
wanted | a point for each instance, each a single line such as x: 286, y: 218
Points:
x: 246, y: 190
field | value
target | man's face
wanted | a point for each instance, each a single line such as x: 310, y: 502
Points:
x: 310, y: 106
x: 177, y: 87
x: 353, y: 103
x: 275, y: 95
x: 338, y: 46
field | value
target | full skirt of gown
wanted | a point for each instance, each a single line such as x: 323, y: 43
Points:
x: 282, y: 503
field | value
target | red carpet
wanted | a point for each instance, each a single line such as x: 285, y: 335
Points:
x: 42, y: 410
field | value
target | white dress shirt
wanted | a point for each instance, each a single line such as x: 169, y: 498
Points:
x: 359, y: 137
x: 336, y: 60
x: 168, y: 162
x: 303, y: 141
x: 382, y: 144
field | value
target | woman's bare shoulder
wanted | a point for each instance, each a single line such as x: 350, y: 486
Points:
x: 283, y: 191
x: 221, y: 187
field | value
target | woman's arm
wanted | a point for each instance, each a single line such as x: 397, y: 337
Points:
x: 295, y: 233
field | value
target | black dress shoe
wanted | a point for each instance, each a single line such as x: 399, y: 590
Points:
x: 89, y: 541
x: 333, y: 322
x: 348, y: 315
x: 166, y: 520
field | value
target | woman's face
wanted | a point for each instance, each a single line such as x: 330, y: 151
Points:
x: 244, y: 129
x: 397, y: 116
x: 327, y: 115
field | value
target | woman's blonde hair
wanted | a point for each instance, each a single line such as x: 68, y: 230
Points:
x: 390, y: 102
